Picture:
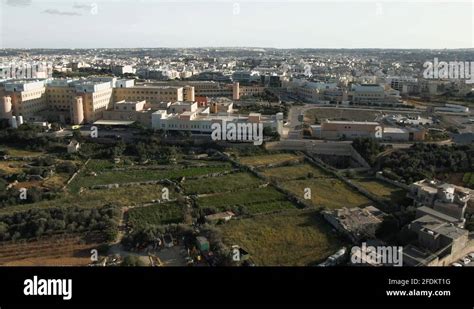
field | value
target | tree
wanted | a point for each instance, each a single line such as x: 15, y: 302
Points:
x: 132, y: 260
x: 368, y: 148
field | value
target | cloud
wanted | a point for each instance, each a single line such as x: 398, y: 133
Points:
x: 58, y: 12
x: 19, y: 2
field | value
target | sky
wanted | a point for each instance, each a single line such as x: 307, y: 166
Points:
x: 238, y: 23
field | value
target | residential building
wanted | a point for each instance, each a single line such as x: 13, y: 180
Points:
x: 445, y: 198
x: 442, y: 239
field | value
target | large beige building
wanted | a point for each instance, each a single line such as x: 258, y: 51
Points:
x: 86, y: 100
x: 81, y: 101
x: 151, y: 94
x: 348, y: 129
x: 26, y: 99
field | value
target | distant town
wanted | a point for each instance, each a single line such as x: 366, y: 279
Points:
x: 236, y: 157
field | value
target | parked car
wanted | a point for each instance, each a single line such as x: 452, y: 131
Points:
x: 471, y: 255
x: 465, y: 261
x: 456, y: 265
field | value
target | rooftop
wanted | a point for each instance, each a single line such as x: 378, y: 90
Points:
x: 431, y: 224
x: 113, y: 122
x: 352, y: 122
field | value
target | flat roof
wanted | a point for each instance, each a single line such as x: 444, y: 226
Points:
x: 352, y: 122
x: 114, y: 122
x: 394, y: 130
x: 436, y: 214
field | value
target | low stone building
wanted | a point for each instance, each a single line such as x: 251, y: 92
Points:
x: 356, y: 223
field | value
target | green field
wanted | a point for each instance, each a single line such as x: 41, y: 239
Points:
x: 268, y: 159
x: 134, y: 175
x: 294, y: 172
x: 240, y: 197
x: 157, y: 214
x: 130, y: 196
x: 468, y: 180
x: 18, y: 152
x: 254, y: 200
x: 229, y: 182
x: 330, y: 193
x: 294, y: 238
x: 382, y: 190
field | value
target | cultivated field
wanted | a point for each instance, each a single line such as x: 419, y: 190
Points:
x: 140, y: 175
x: 326, y: 190
x: 126, y: 196
x: 156, y: 214
x: 294, y: 172
x: 11, y: 167
x: 17, y: 152
x: 254, y: 200
x: 277, y: 158
x: 382, y: 190
x: 293, y: 238
x: 229, y: 182
x: 56, y: 251
x: 329, y: 193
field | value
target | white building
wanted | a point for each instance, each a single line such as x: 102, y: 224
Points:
x: 374, y: 94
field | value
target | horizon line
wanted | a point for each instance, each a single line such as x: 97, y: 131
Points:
x: 249, y: 47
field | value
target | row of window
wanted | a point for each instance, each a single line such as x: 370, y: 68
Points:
x: 185, y: 126
x: 154, y: 92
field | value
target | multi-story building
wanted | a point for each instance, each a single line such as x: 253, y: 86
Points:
x: 64, y: 101
x: 315, y: 92
x: 85, y: 101
x: 129, y: 111
x: 445, y: 198
x: 27, y: 70
x: 27, y: 98
x: 200, y: 121
x: 444, y: 240
x: 97, y: 97
x: 150, y: 93
x: 122, y: 69
x: 374, y: 94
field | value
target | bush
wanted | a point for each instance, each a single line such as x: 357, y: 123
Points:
x: 132, y: 260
